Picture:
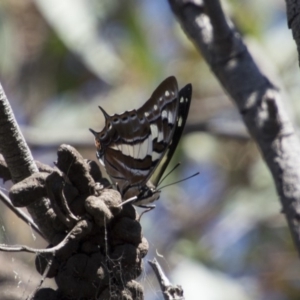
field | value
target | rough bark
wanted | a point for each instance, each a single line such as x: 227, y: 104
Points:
x: 12, y: 144
x: 293, y: 19
x: 19, y: 161
x: 257, y: 99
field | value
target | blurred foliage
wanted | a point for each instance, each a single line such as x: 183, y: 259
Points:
x: 60, y: 60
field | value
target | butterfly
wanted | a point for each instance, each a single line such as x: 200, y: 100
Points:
x: 135, y: 147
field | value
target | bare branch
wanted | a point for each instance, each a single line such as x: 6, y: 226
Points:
x: 80, y: 229
x: 170, y: 292
x: 45, y: 273
x: 255, y: 96
x: 19, y: 212
x: 19, y: 160
x: 12, y: 144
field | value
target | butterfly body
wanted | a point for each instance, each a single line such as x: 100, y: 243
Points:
x: 136, y: 146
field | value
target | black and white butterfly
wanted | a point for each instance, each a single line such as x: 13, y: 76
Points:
x: 136, y: 146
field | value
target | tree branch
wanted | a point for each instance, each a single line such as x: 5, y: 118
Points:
x: 257, y: 99
x: 293, y: 18
x: 170, y: 292
x: 19, y: 213
x: 12, y: 143
x: 19, y: 160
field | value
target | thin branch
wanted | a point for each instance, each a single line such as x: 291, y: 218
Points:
x: 23, y: 248
x: 170, y: 292
x: 45, y: 273
x: 78, y: 231
x: 20, y: 213
x: 257, y: 99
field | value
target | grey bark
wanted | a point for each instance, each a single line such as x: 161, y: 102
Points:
x: 257, y: 99
x: 293, y: 19
x: 20, y: 161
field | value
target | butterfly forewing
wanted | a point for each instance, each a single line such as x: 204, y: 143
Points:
x: 162, y: 110
x: 184, y: 96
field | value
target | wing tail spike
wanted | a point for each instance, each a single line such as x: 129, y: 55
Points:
x: 93, y: 132
x: 106, y: 115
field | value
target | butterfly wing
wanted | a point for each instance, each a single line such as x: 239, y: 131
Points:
x: 132, y: 144
x: 185, y: 95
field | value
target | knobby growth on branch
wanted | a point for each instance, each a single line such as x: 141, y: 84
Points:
x: 95, y: 246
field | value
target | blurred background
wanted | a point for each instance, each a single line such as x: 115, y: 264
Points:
x: 221, y: 234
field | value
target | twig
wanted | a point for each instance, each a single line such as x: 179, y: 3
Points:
x: 255, y: 96
x: 170, y: 292
x: 20, y: 214
x: 45, y: 273
x: 80, y: 229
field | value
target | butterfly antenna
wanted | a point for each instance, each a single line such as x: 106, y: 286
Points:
x: 174, y: 168
x: 180, y: 180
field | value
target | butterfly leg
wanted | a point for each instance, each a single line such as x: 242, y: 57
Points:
x: 147, y: 209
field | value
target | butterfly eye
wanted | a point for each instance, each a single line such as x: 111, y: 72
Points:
x: 132, y: 116
x: 116, y: 120
x: 124, y: 119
